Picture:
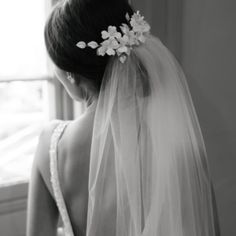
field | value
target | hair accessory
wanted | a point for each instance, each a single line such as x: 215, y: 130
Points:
x: 121, y: 44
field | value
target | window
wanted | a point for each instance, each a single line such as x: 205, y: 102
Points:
x: 24, y: 110
x: 22, y: 48
x: 24, y: 106
x: 29, y: 98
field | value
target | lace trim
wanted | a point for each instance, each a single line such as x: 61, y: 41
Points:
x: 57, y: 133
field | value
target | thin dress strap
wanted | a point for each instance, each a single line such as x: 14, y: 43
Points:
x: 57, y: 133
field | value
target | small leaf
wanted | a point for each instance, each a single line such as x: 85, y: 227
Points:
x: 81, y: 44
x: 93, y: 44
x: 127, y: 16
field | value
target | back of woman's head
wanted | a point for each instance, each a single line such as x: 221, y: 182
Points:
x: 72, y: 21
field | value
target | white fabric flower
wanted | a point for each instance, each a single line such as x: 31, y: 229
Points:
x: 132, y: 37
x: 121, y: 44
x: 139, y: 24
x: 108, y: 47
x: 111, y: 33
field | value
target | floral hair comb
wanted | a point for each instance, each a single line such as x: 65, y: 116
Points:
x: 121, y: 44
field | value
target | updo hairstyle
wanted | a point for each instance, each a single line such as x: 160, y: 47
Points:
x: 72, y: 21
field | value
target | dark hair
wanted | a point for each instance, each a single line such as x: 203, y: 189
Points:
x: 72, y: 21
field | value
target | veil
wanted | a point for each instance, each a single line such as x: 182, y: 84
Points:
x: 148, y: 173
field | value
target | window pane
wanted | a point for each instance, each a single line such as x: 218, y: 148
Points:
x: 24, y: 111
x: 22, y: 44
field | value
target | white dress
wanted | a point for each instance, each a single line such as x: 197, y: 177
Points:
x: 57, y: 133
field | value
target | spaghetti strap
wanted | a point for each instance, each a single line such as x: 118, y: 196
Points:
x: 57, y: 133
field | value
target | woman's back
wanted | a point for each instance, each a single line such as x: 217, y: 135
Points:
x: 73, y: 167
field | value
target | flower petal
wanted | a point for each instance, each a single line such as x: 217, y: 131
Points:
x: 117, y: 35
x: 110, y: 52
x: 81, y: 44
x: 112, y: 29
x: 101, y: 51
x: 105, y: 34
x: 122, y: 49
x: 114, y: 44
x: 122, y: 58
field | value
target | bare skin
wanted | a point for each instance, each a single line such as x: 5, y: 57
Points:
x: 73, y: 167
x: 73, y: 161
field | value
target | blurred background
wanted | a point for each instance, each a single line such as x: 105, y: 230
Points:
x: 202, y: 36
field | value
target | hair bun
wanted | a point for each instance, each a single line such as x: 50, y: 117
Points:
x: 82, y: 20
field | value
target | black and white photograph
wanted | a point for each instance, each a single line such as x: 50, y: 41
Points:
x: 118, y: 118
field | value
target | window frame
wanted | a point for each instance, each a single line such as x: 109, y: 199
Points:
x: 13, y: 196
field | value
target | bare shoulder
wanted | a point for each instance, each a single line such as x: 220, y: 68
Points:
x: 75, y: 143
x: 75, y: 140
x: 78, y: 132
x: 41, y: 159
x: 42, y: 212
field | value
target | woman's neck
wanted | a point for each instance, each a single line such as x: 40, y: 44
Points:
x: 90, y: 105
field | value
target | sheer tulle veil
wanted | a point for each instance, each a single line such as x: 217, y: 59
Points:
x: 147, y: 152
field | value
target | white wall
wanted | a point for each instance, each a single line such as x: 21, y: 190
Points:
x: 209, y: 59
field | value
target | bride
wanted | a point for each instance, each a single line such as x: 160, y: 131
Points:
x: 135, y: 162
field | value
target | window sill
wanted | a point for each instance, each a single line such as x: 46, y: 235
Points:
x: 13, y: 204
